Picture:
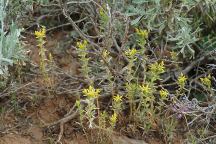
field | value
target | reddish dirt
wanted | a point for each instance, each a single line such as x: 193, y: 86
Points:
x: 15, y: 139
x: 32, y: 132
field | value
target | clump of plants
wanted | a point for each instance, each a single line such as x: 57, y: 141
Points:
x: 145, y: 59
x: 10, y: 47
x: 132, y: 67
x: 46, y: 59
x: 147, y: 103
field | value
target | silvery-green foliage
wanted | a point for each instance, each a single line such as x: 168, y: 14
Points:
x: 10, y: 49
x: 177, y: 23
x: 183, y: 39
x: 37, y: 1
x: 19, y: 9
x: 166, y: 19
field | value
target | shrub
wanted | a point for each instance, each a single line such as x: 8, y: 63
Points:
x: 10, y: 48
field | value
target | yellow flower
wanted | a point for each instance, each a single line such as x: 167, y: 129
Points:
x: 142, y: 33
x: 105, y: 53
x: 181, y: 80
x: 41, y: 33
x: 82, y: 45
x: 102, y: 13
x: 146, y: 89
x: 174, y: 55
x: 157, y: 68
x: 131, y: 52
x: 206, y: 81
x: 117, y: 98
x: 91, y: 92
x: 164, y: 93
x: 113, y: 119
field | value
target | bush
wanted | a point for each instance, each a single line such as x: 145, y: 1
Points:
x: 10, y: 48
x: 132, y: 63
x: 145, y: 57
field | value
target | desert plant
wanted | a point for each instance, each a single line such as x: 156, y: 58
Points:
x: 180, y: 22
x: 10, y: 48
x: 135, y: 46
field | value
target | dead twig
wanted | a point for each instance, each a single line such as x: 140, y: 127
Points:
x: 72, y: 114
x: 60, y: 133
x: 194, y: 63
x: 84, y: 36
x: 207, y: 138
x: 62, y: 121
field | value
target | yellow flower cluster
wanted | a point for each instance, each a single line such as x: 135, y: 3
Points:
x: 206, y: 81
x: 157, y: 68
x: 91, y: 92
x: 146, y: 89
x: 164, y: 93
x: 113, y: 119
x: 82, y: 45
x: 182, y: 80
x: 105, y: 53
x: 117, y: 98
x: 131, y: 52
x: 102, y: 13
x: 41, y: 33
x: 142, y: 33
